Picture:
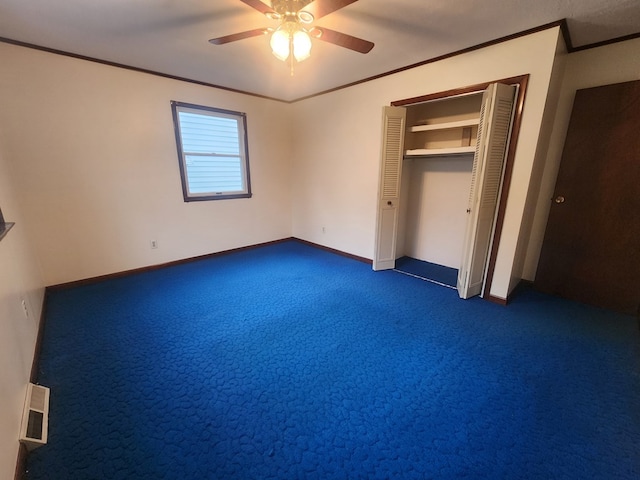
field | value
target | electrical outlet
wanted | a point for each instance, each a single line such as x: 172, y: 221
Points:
x: 24, y: 308
x: 154, y: 244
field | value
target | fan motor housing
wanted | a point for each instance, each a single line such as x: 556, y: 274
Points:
x: 289, y: 7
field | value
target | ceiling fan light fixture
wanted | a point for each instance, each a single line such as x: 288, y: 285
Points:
x: 280, y: 44
x: 305, y: 17
x: 301, y: 45
x: 290, y: 38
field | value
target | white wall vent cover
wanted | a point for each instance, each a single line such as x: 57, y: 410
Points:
x: 35, y: 417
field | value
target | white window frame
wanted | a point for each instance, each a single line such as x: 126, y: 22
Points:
x: 242, y: 154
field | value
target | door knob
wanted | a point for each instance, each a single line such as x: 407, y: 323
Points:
x: 559, y: 199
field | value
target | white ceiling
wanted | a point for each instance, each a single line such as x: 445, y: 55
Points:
x: 171, y: 36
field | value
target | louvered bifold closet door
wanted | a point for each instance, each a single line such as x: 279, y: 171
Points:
x: 393, y: 126
x: 493, y: 136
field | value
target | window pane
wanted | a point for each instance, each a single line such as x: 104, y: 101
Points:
x: 206, y: 134
x: 214, y: 174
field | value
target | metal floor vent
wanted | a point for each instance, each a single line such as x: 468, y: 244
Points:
x: 35, y: 417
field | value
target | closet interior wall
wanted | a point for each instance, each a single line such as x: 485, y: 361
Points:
x: 435, y: 187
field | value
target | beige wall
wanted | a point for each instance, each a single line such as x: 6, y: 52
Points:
x: 533, y: 193
x: 96, y: 169
x: 20, y: 279
x: 615, y: 63
x: 436, y: 201
x: 337, y: 145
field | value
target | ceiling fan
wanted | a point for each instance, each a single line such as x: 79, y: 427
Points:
x: 292, y: 38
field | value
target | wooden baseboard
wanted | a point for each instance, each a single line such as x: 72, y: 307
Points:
x: 109, y: 276
x: 337, y: 252
x: 100, y: 278
x: 38, y: 347
x: 21, y: 464
x: 505, y: 301
x: 498, y: 300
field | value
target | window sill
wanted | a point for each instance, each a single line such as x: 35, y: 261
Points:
x: 4, y: 228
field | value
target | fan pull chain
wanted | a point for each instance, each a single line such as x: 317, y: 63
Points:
x: 291, y: 60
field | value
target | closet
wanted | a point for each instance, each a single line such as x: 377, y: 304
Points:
x: 441, y: 173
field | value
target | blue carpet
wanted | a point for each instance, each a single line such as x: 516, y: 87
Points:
x: 432, y: 272
x: 289, y: 362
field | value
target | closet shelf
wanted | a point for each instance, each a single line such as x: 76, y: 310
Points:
x: 445, y: 125
x: 430, y: 152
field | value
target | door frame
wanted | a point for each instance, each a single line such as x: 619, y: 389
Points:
x: 521, y: 81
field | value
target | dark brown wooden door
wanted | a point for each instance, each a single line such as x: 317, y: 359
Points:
x: 591, y: 248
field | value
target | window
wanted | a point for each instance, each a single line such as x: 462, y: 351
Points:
x: 212, y: 152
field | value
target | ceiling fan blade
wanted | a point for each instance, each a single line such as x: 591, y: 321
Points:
x: 258, y: 5
x: 341, y: 39
x: 320, y: 8
x: 239, y: 36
